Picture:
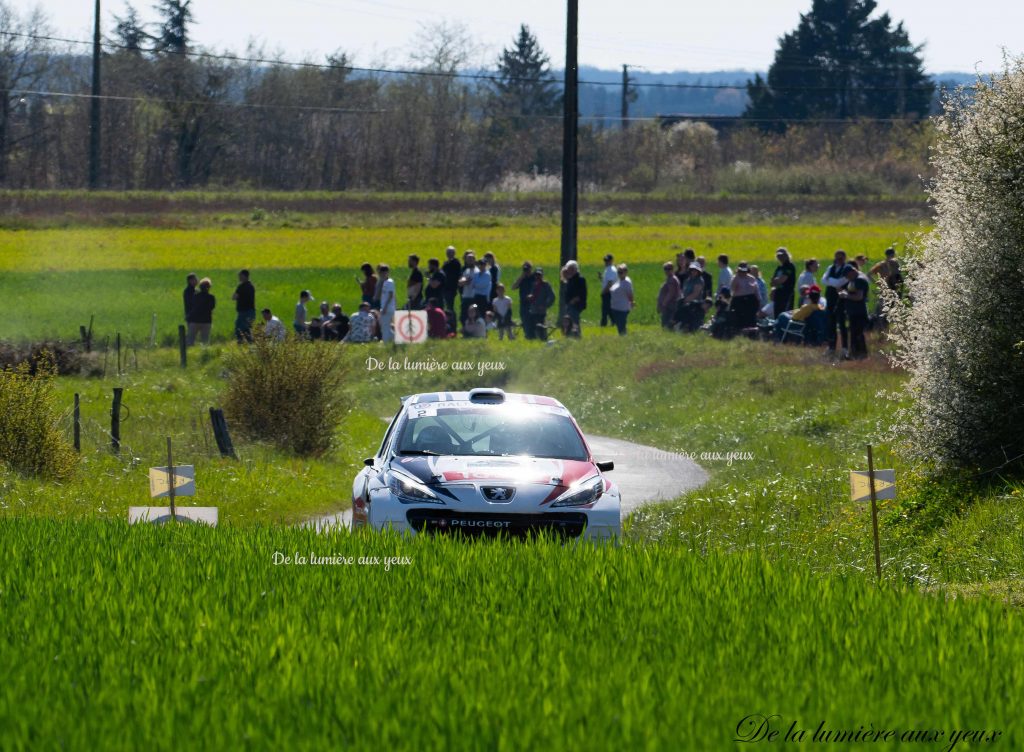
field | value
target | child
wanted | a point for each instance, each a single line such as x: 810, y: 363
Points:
x: 502, y: 307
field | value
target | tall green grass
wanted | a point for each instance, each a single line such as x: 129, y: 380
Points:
x: 118, y: 638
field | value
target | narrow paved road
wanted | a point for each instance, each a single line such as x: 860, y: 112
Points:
x: 644, y: 475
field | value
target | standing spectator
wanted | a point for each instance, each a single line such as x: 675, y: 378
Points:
x: 452, y: 270
x: 435, y: 280
x: 783, y: 283
x: 862, y: 261
x: 466, y: 283
x: 693, y: 299
x: 493, y: 268
x: 724, y: 273
x: 541, y: 298
x: 682, y: 268
x: 203, y: 304
x: 437, y: 322
x: 360, y: 326
x: 474, y: 326
x: 272, y: 326
x: 762, y: 288
x: 300, y: 324
x: 744, y: 298
x: 888, y: 273
x: 368, y: 285
x: 524, y: 284
x: 502, y: 307
x: 325, y: 312
x: 482, y: 285
x: 388, y: 305
x: 808, y: 278
x: 622, y: 298
x: 607, y: 276
x: 669, y: 296
x: 245, y: 307
x: 835, y: 281
x: 709, y: 281
x: 855, y: 296
x: 575, y: 294
x: 414, y: 287
x: 187, y: 297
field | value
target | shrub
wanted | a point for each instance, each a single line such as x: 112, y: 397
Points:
x: 287, y: 393
x: 957, y: 338
x: 64, y: 358
x: 31, y: 441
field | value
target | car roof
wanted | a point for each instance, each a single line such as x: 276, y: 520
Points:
x: 475, y: 394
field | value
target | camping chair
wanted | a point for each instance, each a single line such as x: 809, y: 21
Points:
x: 793, y: 331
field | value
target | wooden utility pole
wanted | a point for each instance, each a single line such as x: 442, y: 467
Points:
x: 625, y: 97
x: 570, y: 124
x: 94, y: 109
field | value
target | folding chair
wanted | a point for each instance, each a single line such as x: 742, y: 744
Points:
x: 792, y: 330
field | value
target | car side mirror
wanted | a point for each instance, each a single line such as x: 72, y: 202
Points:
x: 605, y: 467
x: 369, y: 462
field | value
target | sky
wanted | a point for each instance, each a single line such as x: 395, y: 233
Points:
x: 657, y: 35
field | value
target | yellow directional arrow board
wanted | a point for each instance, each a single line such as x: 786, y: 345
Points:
x: 184, y: 481
x: 860, y: 485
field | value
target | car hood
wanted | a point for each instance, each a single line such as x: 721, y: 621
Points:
x: 473, y: 469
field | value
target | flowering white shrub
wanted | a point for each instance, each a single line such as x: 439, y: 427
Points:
x: 958, y: 334
x: 529, y: 182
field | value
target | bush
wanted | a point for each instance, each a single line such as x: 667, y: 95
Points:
x: 65, y: 359
x: 31, y: 441
x: 287, y: 393
x: 958, y: 337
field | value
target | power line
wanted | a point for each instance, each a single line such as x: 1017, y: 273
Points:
x: 226, y: 57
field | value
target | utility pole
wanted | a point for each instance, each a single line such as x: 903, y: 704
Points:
x: 570, y: 118
x: 625, y: 97
x: 94, y: 110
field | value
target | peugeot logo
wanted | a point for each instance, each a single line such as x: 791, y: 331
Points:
x: 498, y: 493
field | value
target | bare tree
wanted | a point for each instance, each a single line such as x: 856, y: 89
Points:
x: 25, y: 59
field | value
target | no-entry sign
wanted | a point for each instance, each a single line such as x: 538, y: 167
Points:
x: 410, y: 327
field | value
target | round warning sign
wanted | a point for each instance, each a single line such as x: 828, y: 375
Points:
x: 410, y: 327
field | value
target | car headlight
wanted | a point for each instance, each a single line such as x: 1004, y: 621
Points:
x: 409, y: 490
x: 582, y: 493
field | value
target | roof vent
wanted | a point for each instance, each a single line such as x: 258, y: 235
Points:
x: 486, y: 395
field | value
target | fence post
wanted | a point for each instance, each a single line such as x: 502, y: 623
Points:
x: 115, y: 421
x: 220, y: 433
x: 152, y: 333
x: 170, y: 478
x: 78, y: 424
x: 182, y: 345
x: 117, y: 340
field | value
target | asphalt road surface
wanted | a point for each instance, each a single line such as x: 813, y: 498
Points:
x: 643, y: 474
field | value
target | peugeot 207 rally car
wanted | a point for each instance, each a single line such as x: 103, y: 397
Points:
x: 486, y: 463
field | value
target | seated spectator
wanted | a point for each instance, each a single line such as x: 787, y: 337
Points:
x: 721, y: 323
x: 437, y: 320
x: 451, y: 321
x: 273, y: 327
x: 502, y: 307
x: 474, y: 326
x: 361, y: 326
x: 337, y: 328
x: 813, y: 304
x: 490, y: 324
x: 314, y: 329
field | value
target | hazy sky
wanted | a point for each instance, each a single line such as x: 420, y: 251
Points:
x: 655, y: 34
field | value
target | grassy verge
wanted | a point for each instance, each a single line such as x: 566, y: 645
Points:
x: 121, y: 638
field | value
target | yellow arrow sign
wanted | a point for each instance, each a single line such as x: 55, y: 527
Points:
x: 860, y: 485
x: 184, y: 481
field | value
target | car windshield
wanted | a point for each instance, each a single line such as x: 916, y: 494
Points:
x: 490, y: 431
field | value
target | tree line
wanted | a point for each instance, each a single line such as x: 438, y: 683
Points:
x: 178, y: 116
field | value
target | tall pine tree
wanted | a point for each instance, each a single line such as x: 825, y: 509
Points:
x: 524, y: 88
x: 841, y: 63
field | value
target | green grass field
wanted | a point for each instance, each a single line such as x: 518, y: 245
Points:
x: 53, y: 281
x: 119, y: 638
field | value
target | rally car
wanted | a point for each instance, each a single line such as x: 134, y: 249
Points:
x: 487, y: 463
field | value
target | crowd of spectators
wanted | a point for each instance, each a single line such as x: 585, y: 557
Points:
x: 467, y: 297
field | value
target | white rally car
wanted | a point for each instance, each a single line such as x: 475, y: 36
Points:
x: 485, y: 462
